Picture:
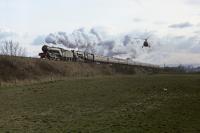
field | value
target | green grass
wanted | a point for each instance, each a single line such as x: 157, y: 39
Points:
x: 134, y: 104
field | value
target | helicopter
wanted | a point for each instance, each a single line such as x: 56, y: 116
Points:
x: 145, y: 37
x: 146, y: 44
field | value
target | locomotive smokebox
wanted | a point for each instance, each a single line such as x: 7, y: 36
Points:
x: 45, y: 48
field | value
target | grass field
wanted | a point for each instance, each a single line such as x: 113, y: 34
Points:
x: 134, y: 104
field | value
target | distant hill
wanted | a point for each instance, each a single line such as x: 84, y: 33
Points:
x: 192, y: 69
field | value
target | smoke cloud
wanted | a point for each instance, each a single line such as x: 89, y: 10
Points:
x: 164, y: 50
x: 94, y: 41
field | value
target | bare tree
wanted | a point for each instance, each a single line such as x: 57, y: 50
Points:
x: 11, y: 48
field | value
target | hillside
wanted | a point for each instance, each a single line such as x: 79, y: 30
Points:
x: 16, y: 69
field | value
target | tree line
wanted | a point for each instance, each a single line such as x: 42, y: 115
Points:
x: 11, y: 48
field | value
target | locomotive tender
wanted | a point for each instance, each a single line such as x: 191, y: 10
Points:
x: 56, y: 53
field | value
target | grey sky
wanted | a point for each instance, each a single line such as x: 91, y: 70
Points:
x: 29, y: 21
x: 181, y: 25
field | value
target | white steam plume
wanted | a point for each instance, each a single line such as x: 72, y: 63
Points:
x: 94, y: 42
x: 164, y: 50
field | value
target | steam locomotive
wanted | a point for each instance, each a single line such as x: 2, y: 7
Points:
x: 56, y: 53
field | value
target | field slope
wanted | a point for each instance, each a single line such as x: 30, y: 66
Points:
x: 152, y: 104
x: 17, y: 70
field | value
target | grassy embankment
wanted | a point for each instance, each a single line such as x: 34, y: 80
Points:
x: 16, y: 70
x: 134, y: 104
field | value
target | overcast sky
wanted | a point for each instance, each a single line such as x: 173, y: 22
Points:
x: 29, y: 21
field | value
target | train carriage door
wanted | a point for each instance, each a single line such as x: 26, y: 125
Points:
x: 85, y: 56
x: 92, y: 57
x: 74, y: 55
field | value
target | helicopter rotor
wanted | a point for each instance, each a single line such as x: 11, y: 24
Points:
x: 145, y: 43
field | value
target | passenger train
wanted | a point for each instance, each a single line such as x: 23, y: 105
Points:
x: 56, y: 53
